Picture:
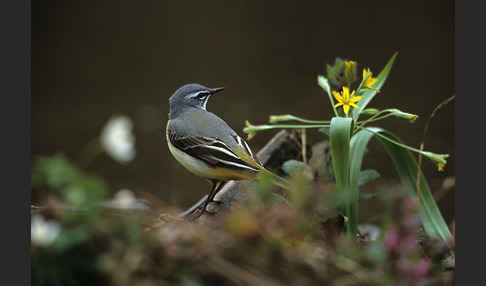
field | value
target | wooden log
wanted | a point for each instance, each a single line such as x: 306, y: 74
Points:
x: 283, y: 146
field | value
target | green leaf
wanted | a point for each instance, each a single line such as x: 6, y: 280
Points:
x: 263, y: 187
x: 338, y: 65
x: 300, y: 189
x: 367, y: 176
x: 367, y: 196
x: 71, y: 237
x: 335, y: 73
x: 54, y: 171
x: 291, y: 166
x: 370, y: 111
x: 378, y: 115
x: 368, y: 94
x: 340, y: 132
x: 358, y: 144
x: 407, y: 168
x: 73, y: 185
x: 331, y: 74
x: 398, y: 113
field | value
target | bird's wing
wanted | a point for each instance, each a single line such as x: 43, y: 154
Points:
x: 217, y: 153
x: 247, y: 155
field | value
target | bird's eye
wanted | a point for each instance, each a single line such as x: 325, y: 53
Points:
x: 202, y: 94
x: 198, y: 95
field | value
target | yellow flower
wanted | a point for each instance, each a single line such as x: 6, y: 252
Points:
x: 440, y: 166
x: 371, y: 80
x: 413, y: 118
x: 345, y: 99
x: 349, y: 64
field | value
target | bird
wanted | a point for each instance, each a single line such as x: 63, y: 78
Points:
x: 204, y: 143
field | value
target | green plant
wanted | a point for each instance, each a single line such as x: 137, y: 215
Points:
x: 349, y: 137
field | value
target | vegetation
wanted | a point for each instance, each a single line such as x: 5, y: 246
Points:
x: 310, y: 234
x: 349, y: 137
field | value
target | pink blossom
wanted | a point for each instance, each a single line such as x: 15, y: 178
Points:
x: 391, y: 239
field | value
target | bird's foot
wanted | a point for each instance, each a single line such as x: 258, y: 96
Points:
x: 216, y: 202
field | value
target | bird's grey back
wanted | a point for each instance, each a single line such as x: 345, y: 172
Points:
x: 203, y: 123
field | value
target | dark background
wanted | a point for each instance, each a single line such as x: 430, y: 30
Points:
x: 93, y: 59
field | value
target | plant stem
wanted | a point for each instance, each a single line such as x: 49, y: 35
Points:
x: 313, y: 121
x: 304, y: 147
x: 426, y: 129
x: 289, y: 117
x: 374, y: 118
x: 393, y: 141
x: 282, y: 126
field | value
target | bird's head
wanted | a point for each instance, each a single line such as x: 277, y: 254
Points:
x: 191, y: 95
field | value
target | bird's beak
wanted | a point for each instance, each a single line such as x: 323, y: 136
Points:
x: 215, y: 90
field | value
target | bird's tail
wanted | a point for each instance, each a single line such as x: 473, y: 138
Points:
x: 279, y: 181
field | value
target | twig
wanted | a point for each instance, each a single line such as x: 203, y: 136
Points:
x: 193, y: 207
x: 304, y: 147
x: 426, y: 129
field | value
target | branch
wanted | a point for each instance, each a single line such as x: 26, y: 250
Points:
x: 275, y: 150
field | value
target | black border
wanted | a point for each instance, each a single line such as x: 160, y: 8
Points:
x: 470, y: 194
x: 15, y: 85
x: 15, y: 89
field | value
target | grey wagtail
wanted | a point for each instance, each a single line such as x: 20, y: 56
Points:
x: 204, y: 144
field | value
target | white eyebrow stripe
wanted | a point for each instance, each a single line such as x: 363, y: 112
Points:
x: 196, y: 94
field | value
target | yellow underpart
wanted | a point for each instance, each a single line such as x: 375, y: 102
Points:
x: 228, y: 174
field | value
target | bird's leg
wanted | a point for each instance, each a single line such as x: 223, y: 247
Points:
x: 215, y: 187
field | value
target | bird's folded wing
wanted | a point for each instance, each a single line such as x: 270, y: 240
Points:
x: 216, y: 153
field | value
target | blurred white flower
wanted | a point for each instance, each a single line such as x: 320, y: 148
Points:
x: 43, y: 232
x: 117, y: 139
x: 125, y: 199
x: 370, y: 230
